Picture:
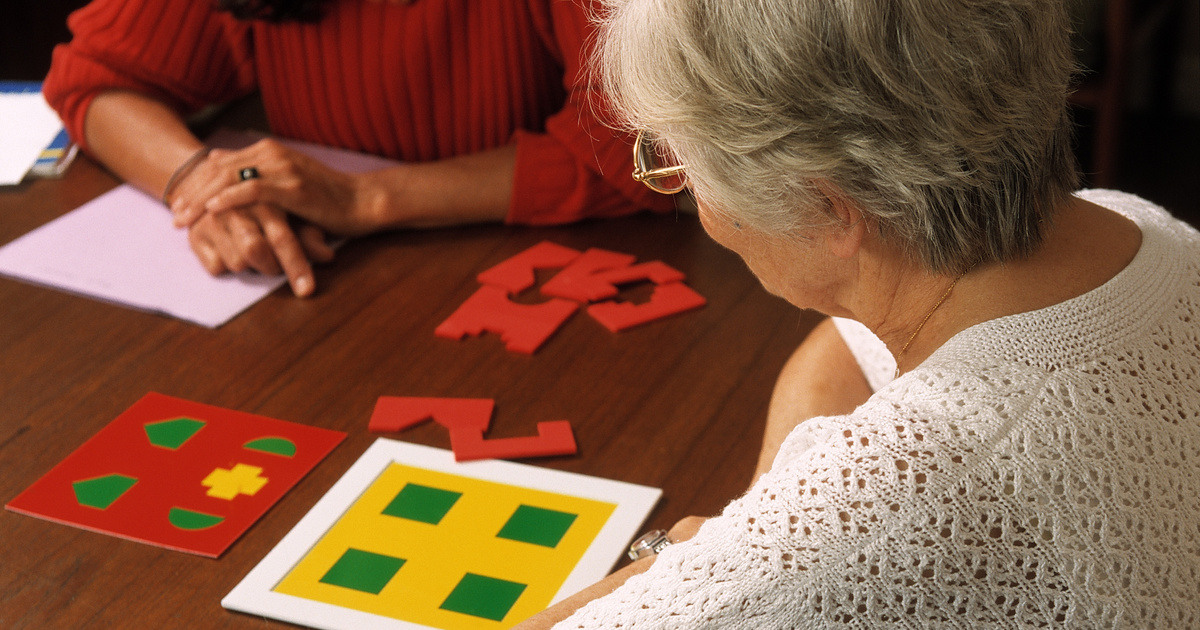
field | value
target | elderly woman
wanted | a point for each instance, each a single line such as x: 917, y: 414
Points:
x: 1002, y: 426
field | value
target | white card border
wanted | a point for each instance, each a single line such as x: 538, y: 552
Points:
x: 254, y: 593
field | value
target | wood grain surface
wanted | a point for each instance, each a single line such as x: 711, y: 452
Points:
x: 677, y: 404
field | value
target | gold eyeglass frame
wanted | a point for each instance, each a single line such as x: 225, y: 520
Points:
x: 651, y: 176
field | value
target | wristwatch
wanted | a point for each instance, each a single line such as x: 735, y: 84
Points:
x: 649, y: 544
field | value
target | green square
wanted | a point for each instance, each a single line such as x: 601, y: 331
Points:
x: 537, y: 526
x: 482, y: 596
x: 363, y: 571
x: 422, y: 503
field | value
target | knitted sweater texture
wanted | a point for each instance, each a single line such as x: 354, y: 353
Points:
x: 1040, y: 470
x: 415, y: 82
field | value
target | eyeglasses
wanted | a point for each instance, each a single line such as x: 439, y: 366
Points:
x: 656, y: 169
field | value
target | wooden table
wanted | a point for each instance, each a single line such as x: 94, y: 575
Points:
x: 678, y: 404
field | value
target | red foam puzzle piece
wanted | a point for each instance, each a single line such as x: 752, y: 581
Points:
x: 553, y: 438
x: 597, y: 277
x: 396, y: 413
x: 667, y: 299
x: 655, y: 271
x: 522, y: 327
x: 467, y: 419
x: 517, y: 273
x: 581, y: 280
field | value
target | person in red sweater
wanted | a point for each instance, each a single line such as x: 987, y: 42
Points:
x: 487, y: 104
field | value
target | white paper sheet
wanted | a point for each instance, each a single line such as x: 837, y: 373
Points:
x: 122, y: 247
x: 27, y: 125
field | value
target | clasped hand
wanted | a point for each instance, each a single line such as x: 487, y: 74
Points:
x: 273, y: 223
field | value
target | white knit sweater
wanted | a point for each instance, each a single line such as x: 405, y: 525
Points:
x: 1037, y: 471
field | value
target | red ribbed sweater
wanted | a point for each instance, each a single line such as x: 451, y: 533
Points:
x: 424, y: 81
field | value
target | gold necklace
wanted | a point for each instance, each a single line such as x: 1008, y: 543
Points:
x: 922, y: 324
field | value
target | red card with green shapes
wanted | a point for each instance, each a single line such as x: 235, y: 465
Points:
x: 178, y: 474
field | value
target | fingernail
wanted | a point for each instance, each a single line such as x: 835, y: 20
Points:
x: 303, y: 286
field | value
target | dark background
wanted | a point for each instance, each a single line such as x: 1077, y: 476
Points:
x: 1159, y: 122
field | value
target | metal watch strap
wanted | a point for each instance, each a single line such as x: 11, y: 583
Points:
x: 649, y: 544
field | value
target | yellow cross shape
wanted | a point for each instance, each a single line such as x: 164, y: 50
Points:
x: 228, y: 484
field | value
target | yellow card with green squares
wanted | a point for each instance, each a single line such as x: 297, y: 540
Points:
x: 411, y: 539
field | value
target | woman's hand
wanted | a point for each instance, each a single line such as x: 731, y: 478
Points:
x: 681, y: 531
x: 144, y: 140
x: 260, y: 238
x: 285, y: 179
x: 685, y: 528
x: 251, y: 231
x: 237, y: 224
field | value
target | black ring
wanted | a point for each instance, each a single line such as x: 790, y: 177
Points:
x: 247, y: 173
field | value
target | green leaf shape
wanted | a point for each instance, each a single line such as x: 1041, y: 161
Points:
x: 191, y: 521
x: 273, y: 445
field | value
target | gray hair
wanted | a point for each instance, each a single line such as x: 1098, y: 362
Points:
x: 945, y: 121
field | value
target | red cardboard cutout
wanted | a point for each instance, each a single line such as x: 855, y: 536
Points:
x: 553, y: 438
x: 582, y: 280
x: 396, y: 413
x: 522, y: 327
x: 467, y: 419
x: 667, y: 299
x: 178, y: 474
x: 518, y: 273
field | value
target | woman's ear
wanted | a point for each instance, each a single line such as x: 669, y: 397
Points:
x: 846, y: 232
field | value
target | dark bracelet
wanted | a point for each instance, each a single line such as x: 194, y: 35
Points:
x: 182, y: 172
